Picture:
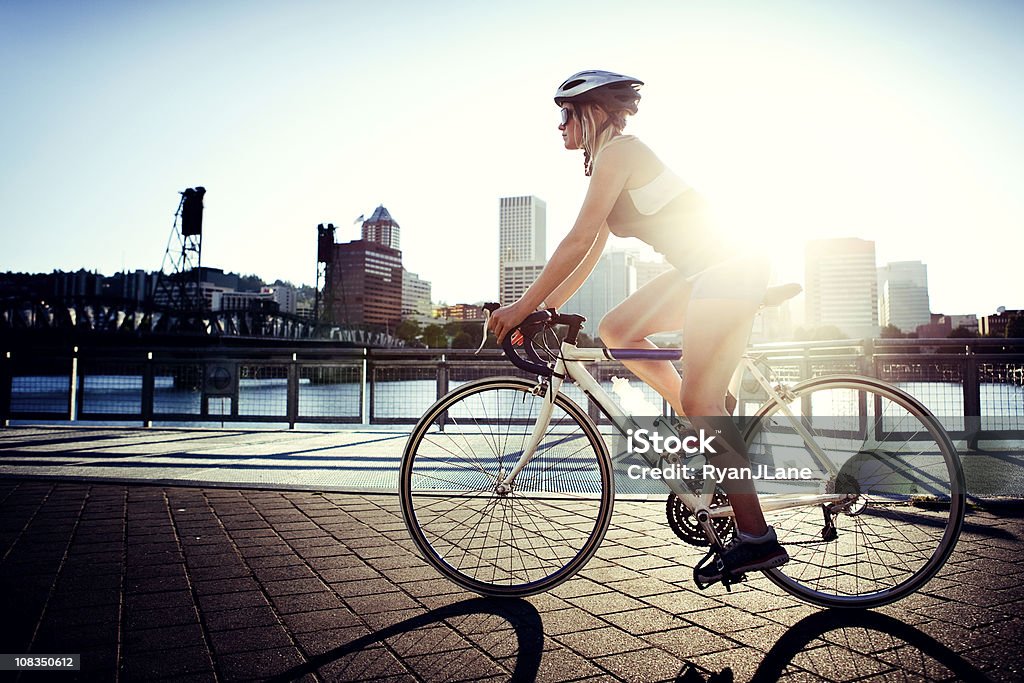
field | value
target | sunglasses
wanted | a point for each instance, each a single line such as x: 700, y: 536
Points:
x: 567, y: 115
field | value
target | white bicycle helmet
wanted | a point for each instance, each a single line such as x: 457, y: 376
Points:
x: 611, y: 91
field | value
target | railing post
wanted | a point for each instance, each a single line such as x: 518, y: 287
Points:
x: 293, y: 391
x: 73, y: 393
x: 148, y: 390
x: 972, y: 400
x: 442, y: 388
x: 5, y: 389
x: 442, y: 376
x: 366, y: 390
x: 867, y: 364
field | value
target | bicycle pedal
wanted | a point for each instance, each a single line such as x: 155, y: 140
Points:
x: 728, y: 579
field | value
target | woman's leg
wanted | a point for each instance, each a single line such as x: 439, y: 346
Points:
x: 658, y: 306
x: 714, y: 341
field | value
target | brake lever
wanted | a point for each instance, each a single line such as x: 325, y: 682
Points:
x: 483, y: 337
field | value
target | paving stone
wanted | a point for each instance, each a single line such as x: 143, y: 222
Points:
x: 602, y: 641
x: 240, y: 600
x: 644, y: 621
x: 607, y: 602
x: 367, y: 664
x: 261, y: 664
x: 168, y: 663
x: 228, y: 619
x: 631, y: 614
x: 249, y: 639
x: 642, y: 665
x: 305, y: 621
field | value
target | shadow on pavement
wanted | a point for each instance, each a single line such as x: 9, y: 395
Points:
x: 834, y: 644
x: 520, y: 615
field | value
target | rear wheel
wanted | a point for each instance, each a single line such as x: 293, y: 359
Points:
x: 904, y: 486
x: 489, y: 539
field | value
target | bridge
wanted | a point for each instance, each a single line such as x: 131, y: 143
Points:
x: 104, y: 316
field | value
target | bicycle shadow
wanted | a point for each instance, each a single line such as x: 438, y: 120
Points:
x: 523, y: 617
x: 810, y: 645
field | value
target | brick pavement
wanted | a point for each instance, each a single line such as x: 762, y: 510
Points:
x: 189, y: 583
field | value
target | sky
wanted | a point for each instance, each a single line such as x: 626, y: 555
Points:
x: 892, y: 121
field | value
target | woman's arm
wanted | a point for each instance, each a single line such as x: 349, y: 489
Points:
x: 564, y: 291
x: 611, y: 171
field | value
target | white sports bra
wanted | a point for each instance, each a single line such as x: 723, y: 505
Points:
x: 651, y: 198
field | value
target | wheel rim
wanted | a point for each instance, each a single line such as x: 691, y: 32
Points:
x: 514, y: 542
x: 905, y: 485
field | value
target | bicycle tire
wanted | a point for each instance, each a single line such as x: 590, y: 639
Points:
x: 517, y: 544
x: 909, y: 485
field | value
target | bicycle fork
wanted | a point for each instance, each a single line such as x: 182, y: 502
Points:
x: 540, y: 428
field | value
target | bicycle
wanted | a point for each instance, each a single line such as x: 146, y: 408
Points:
x: 507, y: 484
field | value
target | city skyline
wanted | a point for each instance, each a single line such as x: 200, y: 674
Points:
x: 893, y: 123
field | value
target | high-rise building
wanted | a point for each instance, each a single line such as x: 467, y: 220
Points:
x: 364, y: 284
x: 415, y: 296
x: 381, y: 228
x: 522, y: 244
x: 243, y: 301
x: 648, y: 270
x: 996, y: 325
x: 842, y: 286
x: 461, y: 312
x: 613, y: 279
x: 516, y: 278
x: 363, y: 279
x: 285, y: 296
x: 903, y: 295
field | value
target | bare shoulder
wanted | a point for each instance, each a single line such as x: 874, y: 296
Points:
x: 625, y: 150
x: 641, y: 163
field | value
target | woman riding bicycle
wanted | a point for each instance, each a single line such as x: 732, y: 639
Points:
x: 712, y: 293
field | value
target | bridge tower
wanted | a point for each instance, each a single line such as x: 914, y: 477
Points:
x: 178, y: 284
x: 324, y: 259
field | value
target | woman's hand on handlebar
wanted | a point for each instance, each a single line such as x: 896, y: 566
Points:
x: 506, y: 319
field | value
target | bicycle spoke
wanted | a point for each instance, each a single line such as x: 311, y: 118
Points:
x: 514, y: 541
x: 887, y: 448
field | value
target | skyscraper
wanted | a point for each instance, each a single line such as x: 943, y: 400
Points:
x: 903, y: 295
x: 614, y: 278
x: 842, y: 286
x: 522, y: 244
x: 363, y: 281
x: 364, y: 284
x: 415, y: 296
x: 381, y: 228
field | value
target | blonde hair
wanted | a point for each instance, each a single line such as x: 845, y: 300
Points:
x: 597, y: 135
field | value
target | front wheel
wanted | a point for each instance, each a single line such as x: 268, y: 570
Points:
x: 505, y: 540
x: 901, y: 482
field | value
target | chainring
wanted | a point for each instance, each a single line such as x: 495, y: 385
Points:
x: 685, y: 524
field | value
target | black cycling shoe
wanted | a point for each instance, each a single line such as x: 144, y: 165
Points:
x: 743, y: 554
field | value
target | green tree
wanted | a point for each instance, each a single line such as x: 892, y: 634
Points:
x: 962, y: 333
x: 250, y: 283
x: 1015, y: 327
x: 890, y: 331
x: 408, y: 331
x: 434, y: 337
x: 463, y: 341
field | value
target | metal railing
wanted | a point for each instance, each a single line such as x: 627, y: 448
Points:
x: 975, y: 387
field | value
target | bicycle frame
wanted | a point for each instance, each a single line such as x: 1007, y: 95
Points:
x: 569, y: 365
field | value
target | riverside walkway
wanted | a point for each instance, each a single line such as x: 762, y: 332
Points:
x: 237, y: 554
